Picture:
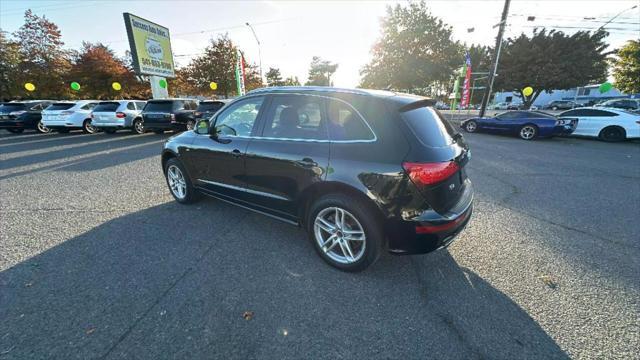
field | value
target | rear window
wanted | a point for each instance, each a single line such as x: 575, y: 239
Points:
x: 106, y: 107
x: 13, y: 107
x: 159, y: 106
x: 61, y: 106
x: 429, y: 126
x: 210, y: 106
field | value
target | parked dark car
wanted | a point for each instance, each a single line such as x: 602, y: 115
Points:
x: 360, y: 170
x: 15, y: 117
x: 560, y: 105
x: 207, y: 108
x: 169, y: 114
x: 527, y: 125
x: 624, y: 104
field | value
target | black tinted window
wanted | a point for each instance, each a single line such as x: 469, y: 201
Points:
x: 210, y: 106
x: 13, y: 107
x: 89, y: 106
x: 296, y: 117
x: 106, y: 107
x: 60, y: 106
x: 159, y: 106
x: 345, y: 123
x: 140, y: 104
x: 429, y: 127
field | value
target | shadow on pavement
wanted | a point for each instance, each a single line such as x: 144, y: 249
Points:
x: 174, y: 281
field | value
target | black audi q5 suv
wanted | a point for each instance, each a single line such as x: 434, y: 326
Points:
x: 361, y: 170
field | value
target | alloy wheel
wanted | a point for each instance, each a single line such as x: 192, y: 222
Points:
x: 89, y: 128
x: 527, y: 132
x: 139, y: 126
x: 339, y: 235
x: 471, y: 126
x: 177, y: 182
x: 43, y: 129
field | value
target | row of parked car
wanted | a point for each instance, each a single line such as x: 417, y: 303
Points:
x: 607, y: 124
x: 92, y: 116
x: 624, y: 104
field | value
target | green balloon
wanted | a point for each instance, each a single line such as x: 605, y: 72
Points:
x: 604, y: 87
x: 163, y: 83
x: 75, y: 86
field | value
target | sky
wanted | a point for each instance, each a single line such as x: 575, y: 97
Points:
x: 292, y: 32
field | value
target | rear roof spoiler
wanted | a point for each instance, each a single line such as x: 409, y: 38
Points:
x: 417, y: 104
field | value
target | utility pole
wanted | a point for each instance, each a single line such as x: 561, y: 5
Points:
x: 496, y: 57
x: 259, y: 52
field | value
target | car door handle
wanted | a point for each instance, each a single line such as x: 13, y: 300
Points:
x: 236, y: 153
x: 307, y: 162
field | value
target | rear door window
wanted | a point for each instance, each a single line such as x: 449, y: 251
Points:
x: 140, y: 104
x: 429, y: 126
x: 159, y: 106
x: 210, y: 106
x: 345, y: 123
x: 106, y: 107
x: 89, y: 106
x: 296, y: 117
x: 131, y: 106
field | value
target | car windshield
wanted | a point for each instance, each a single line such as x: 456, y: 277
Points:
x: 61, y: 106
x: 159, y: 106
x: 106, y: 107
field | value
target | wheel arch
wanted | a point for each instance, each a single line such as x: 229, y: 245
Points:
x: 624, y: 131
x: 166, y: 155
x: 317, y: 190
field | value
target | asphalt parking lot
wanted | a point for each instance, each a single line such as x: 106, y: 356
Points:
x: 98, y: 261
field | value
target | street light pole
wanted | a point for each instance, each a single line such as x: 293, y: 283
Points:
x: 613, y: 18
x: 259, y: 51
x: 503, y: 23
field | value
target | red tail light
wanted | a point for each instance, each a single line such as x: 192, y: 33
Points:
x: 120, y: 115
x: 424, y: 174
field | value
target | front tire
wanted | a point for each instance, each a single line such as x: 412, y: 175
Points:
x: 179, y: 183
x: 138, y: 126
x: 471, y: 126
x: 528, y: 132
x: 41, y: 128
x: 612, y: 134
x: 88, y: 128
x: 345, y: 232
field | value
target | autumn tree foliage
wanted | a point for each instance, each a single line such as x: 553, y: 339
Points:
x: 626, y: 67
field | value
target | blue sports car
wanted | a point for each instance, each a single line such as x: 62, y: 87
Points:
x: 527, y: 125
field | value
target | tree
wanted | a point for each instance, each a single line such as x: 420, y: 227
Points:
x: 291, y: 81
x: 551, y: 60
x: 96, y: 67
x: 626, y: 68
x: 320, y: 72
x: 218, y: 64
x: 10, y: 60
x: 415, y: 51
x: 43, y: 60
x: 274, y: 78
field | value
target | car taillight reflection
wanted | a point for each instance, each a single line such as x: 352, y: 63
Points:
x: 120, y: 115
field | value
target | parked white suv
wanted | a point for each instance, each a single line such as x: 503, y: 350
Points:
x: 65, y: 116
x: 110, y: 116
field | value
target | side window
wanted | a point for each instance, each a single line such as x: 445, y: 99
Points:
x: 37, y: 107
x: 240, y: 118
x: 345, y: 123
x: 178, y: 105
x: 572, y: 113
x: 603, y: 113
x: 194, y: 105
x: 140, y: 104
x: 505, y: 116
x: 296, y: 117
x: 131, y: 106
x: 89, y: 106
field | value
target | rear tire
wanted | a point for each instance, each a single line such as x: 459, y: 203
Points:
x: 612, y: 134
x: 471, y: 126
x: 179, y: 183
x: 15, y: 131
x: 528, y: 132
x: 348, y: 251
x: 138, y: 126
x: 88, y: 128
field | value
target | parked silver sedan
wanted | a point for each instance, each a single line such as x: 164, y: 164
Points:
x: 111, y: 116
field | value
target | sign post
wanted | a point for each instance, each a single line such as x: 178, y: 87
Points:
x: 151, y: 52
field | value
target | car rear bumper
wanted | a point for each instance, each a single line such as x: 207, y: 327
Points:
x: 110, y: 125
x: 163, y: 126
x: 430, y: 230
x: 12, y: 124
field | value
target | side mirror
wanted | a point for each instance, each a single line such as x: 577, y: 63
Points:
x: 202, y: 127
